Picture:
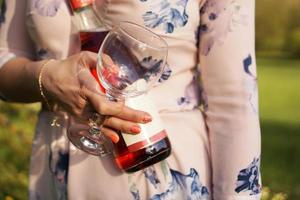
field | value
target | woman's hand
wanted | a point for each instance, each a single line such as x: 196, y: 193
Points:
x: 70, y: 84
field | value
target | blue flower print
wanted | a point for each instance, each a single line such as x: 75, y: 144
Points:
x: 151, y: 175
x: 184, y: 187
x: 59, y: 165
x: 135, y: 192
x: 183, y: 100
x: 169, y: 14
x: 43, y: 54
x: 248, y: 178
x: 251, y: 83
x: 191, y: 95
x: 47, y: 8
x: 218, y: 18
x: 166, y: 74
x: 150, y: 66
x: 247, y: 63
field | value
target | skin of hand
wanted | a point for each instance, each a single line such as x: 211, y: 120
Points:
x: 70, y: 84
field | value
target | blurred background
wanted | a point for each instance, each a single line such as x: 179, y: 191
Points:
x: 278, y: 60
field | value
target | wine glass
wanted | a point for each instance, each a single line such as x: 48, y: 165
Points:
x: 130, y: 61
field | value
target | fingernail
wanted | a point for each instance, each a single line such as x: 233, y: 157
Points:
x: 147, y: 118
x: 114, y: 138
x: 135, y: 129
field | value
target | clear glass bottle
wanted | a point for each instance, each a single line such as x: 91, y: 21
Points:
x: 91, y: 30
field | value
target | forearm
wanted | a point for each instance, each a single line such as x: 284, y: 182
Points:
x: 19, y: 80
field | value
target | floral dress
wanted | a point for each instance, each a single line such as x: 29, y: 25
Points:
x: 213, y: 124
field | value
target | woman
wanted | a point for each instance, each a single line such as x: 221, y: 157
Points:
x: 216, y: 150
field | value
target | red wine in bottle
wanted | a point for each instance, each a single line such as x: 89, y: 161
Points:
x: 91, y: 40
x: 135, y: 152
x: 132, y: 161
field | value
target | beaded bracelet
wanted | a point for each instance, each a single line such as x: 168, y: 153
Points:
x: 41, y: 86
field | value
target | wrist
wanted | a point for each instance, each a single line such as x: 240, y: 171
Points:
x: 41, y: 85
x: 32, y: 70
x: 36, y: 71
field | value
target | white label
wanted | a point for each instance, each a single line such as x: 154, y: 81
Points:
x: 150, y: 132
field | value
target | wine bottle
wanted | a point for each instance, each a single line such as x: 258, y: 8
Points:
x: 132, y: 152
x: 91, y: 30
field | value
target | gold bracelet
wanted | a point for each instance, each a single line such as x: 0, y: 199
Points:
x: 41, y: 85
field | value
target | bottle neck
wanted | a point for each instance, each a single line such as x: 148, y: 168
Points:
x: 87, y: 19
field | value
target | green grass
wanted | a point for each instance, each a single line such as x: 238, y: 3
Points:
x: 16, y: 132
x: 279, y: 84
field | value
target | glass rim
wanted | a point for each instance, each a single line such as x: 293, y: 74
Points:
x: 160, y: 47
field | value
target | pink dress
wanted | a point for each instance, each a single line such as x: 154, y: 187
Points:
x: 213, y: 124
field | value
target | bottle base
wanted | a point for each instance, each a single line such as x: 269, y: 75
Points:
x: 150, y: 161
x: 140, y: 159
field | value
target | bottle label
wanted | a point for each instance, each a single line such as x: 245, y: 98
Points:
x: 151, y: 132
x: 76, y: 4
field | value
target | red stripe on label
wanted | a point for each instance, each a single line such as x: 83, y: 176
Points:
x: 139, y: 145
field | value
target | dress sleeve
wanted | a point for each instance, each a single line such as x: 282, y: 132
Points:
x: 14, y: 38
x: 228, y: 74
